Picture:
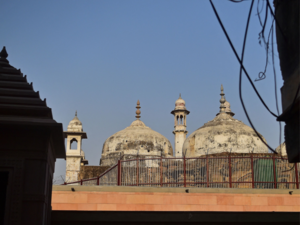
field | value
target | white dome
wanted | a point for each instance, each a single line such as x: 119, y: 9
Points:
x: 135, y: 140
x: 180, y: 103
x: 281, y: 149
x: 223, y: 134
x: 75, y: 125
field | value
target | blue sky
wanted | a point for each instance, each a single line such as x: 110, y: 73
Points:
x: 100, y: 57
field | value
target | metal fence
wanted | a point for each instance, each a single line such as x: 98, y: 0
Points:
x: 266, y: 172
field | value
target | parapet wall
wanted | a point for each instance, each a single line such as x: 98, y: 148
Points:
x: 97, y: 198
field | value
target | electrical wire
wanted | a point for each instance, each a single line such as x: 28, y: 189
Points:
x: 238, y: 58
x: 267, y: 44
x: 275, y: 82
x: 262, y: 33
x: 242, y: 68
x: 259, y: 11
x: 241, y: 72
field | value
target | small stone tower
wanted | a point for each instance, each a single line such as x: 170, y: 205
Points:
x: 74, y: 156
x: 180, y: 132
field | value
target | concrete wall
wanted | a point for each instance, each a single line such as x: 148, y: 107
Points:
x: 95, y: 198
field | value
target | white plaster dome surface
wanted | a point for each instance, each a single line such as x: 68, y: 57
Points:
x: 281, y: 149
x: 223, y: 134
x: 180, y: 103
x: 75, y: 125
x: 138, y: 137
x: 135, y: 140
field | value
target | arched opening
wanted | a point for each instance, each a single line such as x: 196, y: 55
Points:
x: 177, y: 120
x: 73, y: 144
x: 181, y: 119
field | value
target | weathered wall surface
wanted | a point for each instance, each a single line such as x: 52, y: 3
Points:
x: 173, y: 199
x: 87, y: 172
x: 179, y: 140
x: 72, y: 168
x: 138, y: 140
x: 223, y: 134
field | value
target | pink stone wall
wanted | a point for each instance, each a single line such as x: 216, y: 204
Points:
x: 162, y: 201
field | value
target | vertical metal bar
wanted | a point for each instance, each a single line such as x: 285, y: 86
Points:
x: 274, y: 172
x: 98, y: 178
x: 137, y: 172
x: 296, y: 174
x: 252, y: 170
x: 207, y: 174
x: 229, y: 167
x: 119, y: 173
x: 184, y: 172
x: 161, y: 172
x: 150, y: 174
x: 81, y: 182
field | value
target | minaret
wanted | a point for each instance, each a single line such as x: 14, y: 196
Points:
x: 74, y: 156
x: 180, y: 132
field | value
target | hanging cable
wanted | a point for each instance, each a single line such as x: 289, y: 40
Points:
x: 238, y: 58
x: 240, y: 76
x: 242, y: 68
x: 262, y: 75
x: 275, y: 81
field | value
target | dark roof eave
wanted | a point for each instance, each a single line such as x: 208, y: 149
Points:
x: 55, y: 128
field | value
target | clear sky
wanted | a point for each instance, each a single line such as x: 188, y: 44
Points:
x: 100, y: 57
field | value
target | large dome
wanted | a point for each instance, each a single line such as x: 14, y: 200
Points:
x: 137, y: 140
x: 281, y: 149
x: 223, y: 134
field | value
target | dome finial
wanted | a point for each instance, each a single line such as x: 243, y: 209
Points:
x: 138, y: 112
x: 180, y: 95
x: 222, y: 100
x: 76, y: 113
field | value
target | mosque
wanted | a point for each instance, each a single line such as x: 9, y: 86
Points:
x: 222, y: 171
x: 223, y: 134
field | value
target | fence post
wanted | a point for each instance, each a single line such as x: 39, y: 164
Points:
x: 98, y: 179
x: 137, y: 172
x: 296, y: 174
x: 81, y: 182
x: 252, y: 170
x: 274, y: 172
x: 207, y: 174
x: 184, y: 172
x: 161, y: 172
x: 229, y: 167
x: 119, y: 173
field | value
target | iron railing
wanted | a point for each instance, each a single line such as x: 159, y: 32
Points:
x: 268, y: 172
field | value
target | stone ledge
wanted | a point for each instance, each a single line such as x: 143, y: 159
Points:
x: 173, y: 190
